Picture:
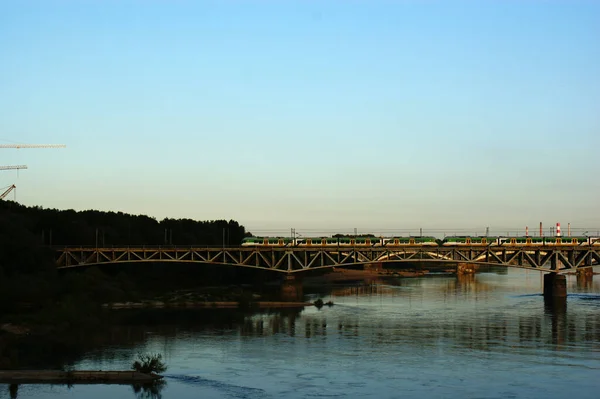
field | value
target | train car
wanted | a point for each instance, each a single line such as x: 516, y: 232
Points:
x: 267, y: 241
x: 412, y: 240
x: 368, y: 241
x: 592, y: 241
x: 341, y: 241
x: 588, y: 241
x: 314, y: 242
x: 252, y: 241
x: 553, y: 241
x: 468, y: 240
x: 520, y: 241
x: 565, y: 241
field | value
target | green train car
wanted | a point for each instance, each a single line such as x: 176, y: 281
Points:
x: 468, y: 240
x: 340, y: 241
x: 267, y: 241
x: 412, y: 240
x: 563, y: 241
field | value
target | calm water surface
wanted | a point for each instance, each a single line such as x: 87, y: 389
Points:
x: 483, y: 336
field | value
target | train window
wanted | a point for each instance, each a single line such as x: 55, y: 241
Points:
x: 468, y: 241
x: 528, y: 240
x: 411, y: 241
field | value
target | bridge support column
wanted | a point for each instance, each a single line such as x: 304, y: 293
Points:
x: 291, y: 289
x: 555, y: 286
x: 466, y: 268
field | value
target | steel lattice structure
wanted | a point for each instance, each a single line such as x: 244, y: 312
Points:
x: 299, y: 259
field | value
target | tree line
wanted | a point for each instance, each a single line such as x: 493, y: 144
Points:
x: 92, y: 227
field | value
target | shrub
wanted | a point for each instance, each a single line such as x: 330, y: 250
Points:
x: 151, y: 363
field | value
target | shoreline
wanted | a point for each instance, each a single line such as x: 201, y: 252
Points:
x: 204, y: 305
x: 76, y: 377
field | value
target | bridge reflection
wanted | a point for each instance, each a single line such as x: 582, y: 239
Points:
x: 493, y: 331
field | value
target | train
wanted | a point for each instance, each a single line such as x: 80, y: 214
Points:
x: 420, y: 241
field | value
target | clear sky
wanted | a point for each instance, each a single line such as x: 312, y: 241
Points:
x: 309, y: 114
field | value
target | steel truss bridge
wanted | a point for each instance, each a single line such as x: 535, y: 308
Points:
x: 299, y: 259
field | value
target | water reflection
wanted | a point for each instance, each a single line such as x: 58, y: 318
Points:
x: 13, y: 390
x: 386, y: 324
x: 417, y: 335
x: 149, y: 391
x: 466, y: 311
x: 556, y: 310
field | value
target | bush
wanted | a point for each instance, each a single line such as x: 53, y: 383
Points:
x: 151, y: 363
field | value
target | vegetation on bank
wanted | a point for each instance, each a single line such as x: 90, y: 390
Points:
x: 149, y: 363
x: 40, y: 306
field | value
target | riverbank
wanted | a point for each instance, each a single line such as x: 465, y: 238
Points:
x: 209, y: 305
x: 73, y: 377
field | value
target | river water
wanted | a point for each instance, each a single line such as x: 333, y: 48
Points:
x: 484, y: 336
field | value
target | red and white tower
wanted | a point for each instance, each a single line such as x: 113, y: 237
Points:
x: 526, y: 231
x: 558, y: 229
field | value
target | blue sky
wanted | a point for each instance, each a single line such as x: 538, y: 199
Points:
x: 323, y: 115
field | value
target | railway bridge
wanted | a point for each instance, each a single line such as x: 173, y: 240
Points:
x: 291, y: 261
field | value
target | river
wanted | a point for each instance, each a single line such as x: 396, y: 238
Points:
x: 484, y: 336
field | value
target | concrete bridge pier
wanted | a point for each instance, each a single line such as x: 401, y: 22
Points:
x: 555, y: 285
x: 291, y: 288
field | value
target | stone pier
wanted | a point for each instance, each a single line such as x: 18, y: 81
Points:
x: 555, y: 285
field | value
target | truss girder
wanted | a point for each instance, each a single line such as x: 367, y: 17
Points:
x: 301, y: 258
